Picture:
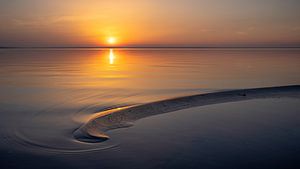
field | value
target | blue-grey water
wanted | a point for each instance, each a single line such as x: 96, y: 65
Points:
x: 47, y: 94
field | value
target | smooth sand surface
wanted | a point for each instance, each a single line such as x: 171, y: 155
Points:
x: 94, y: 130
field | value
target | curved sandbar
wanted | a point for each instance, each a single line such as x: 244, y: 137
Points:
x: 94, y: 130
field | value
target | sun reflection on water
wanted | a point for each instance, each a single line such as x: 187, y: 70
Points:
x: 111, y: 56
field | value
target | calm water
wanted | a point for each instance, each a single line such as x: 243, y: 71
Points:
x: 47, y: 94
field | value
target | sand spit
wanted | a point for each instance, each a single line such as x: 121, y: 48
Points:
x: 94, y: 130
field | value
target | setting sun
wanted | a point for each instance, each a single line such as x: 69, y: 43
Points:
x: 111, y: 40
x: 149, y: 84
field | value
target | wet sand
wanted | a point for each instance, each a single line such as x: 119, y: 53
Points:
x: 94, y: 129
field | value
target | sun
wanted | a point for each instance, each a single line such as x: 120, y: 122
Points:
x: 111, y: 40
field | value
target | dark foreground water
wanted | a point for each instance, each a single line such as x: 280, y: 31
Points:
x: 47, y: 94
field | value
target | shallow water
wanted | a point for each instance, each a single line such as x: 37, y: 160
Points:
x: 262, y: 133
x: 47, y: 94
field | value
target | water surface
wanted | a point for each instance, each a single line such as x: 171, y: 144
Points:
x: 47, y: 94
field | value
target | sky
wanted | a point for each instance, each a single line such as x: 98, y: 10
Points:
x: 43, y: 23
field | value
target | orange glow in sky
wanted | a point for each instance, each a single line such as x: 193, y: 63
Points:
x: 149, y: 23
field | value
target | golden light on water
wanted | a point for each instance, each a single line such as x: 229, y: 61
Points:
x: 111, y: 56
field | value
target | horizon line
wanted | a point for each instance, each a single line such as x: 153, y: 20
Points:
x: 141, y: 47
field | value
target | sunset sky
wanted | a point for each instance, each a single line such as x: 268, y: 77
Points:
x: 150, y: 23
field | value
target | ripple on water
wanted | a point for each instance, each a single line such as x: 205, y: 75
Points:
x: 51, y: 131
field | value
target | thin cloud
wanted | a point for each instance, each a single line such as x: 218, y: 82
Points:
x: 46, y: 21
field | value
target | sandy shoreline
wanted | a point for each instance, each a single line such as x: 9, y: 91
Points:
x: 94, y: 130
